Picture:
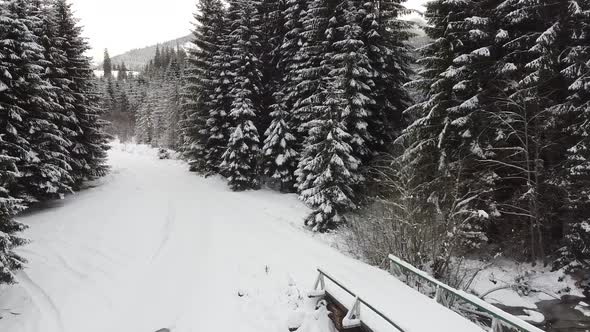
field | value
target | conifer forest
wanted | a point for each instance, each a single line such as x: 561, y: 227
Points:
x: 479, y: 136
x: 473, y: 142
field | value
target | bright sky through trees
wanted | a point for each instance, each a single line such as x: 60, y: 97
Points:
x: 122, y: 25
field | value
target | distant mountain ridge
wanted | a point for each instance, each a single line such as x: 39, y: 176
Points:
x: 136, y: 59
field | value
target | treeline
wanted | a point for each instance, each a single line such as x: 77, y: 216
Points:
x: 120, y: 98
x: 137, y: 59
x: 147, y: 107
x: 159, y: 117
x: 51, y: 137
x: 497, y: 150
x: 300, y: 93
x: 108, y: 67
x: 313, y: 94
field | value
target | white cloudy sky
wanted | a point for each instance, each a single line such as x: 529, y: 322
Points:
x: 121, y: 25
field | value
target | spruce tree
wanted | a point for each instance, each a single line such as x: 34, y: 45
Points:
x: 45, y: 168
x: 309, y: 70
x: 328, y: 171
x: 351, y: 73
x: 576, y: 71
x: 270, y: 26
x: 528, y: 138
x: 16, y: 41
x: 441, y: 144
x: 280, y: 157
x: 385, y: 38
x: 122, y: 76
x: 200, y: 84
x: 56, y: 142
x: 144, y: 127
x: 219, y: 121
x: 107, y: 66
x: 174, y: 80
x: 158, y: 58
x: 279, y: 150
x: 289, y: 59
x: 90, y: 144
x: 241, y: 156
x: 10, y: 261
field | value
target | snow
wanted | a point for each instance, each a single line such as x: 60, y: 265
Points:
x: 532, y: 316
x: 483, y: 214
x: 583, y: 308
x: 152, y: 246
x: 525, y: 284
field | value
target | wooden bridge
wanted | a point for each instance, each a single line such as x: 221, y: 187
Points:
x: 348, y: 318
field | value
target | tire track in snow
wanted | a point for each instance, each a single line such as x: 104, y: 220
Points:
x: 119, y: 258
x: 166, y: 229
x: 43, y: 301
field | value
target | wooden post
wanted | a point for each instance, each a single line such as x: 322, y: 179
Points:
x: 319, y: 287
x: 353, y: 317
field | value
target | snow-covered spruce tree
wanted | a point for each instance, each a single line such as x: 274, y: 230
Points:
x: 351, y: 73
x: 421, y: 137
x: 14, y: 144
x: 57, y: 142
x: 308, y: 71
x: 280, y: 157
x: 528, y: 174
x: 144, y: 128
x: 576, y: 59
x: 199, y: 87
x: 122, y: 75
x: 327, y: 171
x: 44, y: 169
x: 174, y: 81
x: 440, y: 142
x: 90, y: 144
x: 107, y: 65
x: 279, y: 154
x: 270, y: 24
x: 241, y: 157
x: 384, y: 36
x: 9, y: 206
x: 159, y: 112
x: 288, y: 58
x: 219, y: 121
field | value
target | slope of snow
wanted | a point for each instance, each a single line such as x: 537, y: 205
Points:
x: 153, y: 246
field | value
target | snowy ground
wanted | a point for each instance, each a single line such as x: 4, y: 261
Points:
x: 513, y: 284
x: 153, y: 246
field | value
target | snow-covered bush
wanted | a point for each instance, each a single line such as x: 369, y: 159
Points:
x: 428, y: 231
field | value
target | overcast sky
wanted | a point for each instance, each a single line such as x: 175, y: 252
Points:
x: 122, y: 25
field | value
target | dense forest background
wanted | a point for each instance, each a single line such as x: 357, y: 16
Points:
x: 52, y: 140
x: 475, y: 140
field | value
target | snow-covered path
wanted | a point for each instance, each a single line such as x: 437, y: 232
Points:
x: 154, y: 246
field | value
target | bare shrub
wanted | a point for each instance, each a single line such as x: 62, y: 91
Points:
x: 428, y: 224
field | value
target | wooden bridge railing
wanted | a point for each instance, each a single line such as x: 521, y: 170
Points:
x: 352, y: 319
x: 499, y: 321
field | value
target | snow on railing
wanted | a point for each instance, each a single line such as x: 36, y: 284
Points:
x: 499, y: 318
x: 352, y: 318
